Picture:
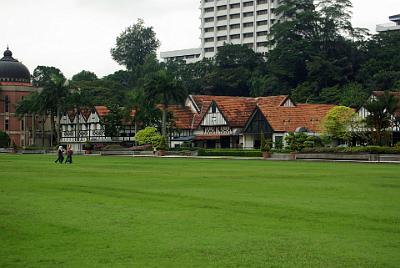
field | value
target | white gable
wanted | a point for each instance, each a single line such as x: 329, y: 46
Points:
x: 214, y: 117
x: 93, y: 118
x: 288, y: 103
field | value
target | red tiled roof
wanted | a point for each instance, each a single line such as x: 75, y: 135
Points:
x: 183, y: 116
x: 288, y: 119
x: 236, y: 110
x: 102, y: 110
x: 16, y: 84
x: 273, y: 101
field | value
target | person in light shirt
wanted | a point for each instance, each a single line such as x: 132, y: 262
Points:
x: 60, y: 154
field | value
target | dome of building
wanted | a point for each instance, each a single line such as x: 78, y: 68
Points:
x: 13, y: 71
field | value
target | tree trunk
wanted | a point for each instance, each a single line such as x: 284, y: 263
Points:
x: 58, y: 126
x: 164, y: 122
x: 52, y: 128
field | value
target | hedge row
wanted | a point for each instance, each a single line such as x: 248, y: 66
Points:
x: 227, y: 152
x: 354, y: 150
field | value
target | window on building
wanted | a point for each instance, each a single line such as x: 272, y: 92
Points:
x: 248, y: 24
x: 221, y: 38
x: 6, y: 104
x: 247, y: 35
x: 262, y: 44
x: 221, y: 28
x: 248, y: 14
x: 235, y: 26
x: 7, y: 124
x: 262, y: 12
x: 209, y: 29
x: 263, y: 22
x: 221, y: 8
x: 263, y: 33
x: 220, y: 18
x: 22, y: 125
x: 209, y: 9
x: 237, y: 5
x: 261, y: 2
x: 214, y: 108
x: 209, y: 49
x: 248, y: 4
x: 211, y: 19
x: 235, y: 36
x: 234, y: 16
x: 209, y: 39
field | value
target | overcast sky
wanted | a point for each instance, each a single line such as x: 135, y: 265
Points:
x: 76, y: 35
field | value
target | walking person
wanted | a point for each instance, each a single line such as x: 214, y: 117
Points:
x: 60, y: 154
x: 70, y: 152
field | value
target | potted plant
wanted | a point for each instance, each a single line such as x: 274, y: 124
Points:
x: 162, y: 147
x: 88, y: 147
x: 265, y: 147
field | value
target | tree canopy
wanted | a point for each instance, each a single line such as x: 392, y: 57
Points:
x: 134, y: 44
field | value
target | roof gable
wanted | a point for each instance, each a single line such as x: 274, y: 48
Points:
x: 214, y: 116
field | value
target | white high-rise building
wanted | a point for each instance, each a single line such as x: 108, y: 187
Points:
x: 236, y: 22
x: 395, y: 26
x: 245, y: 22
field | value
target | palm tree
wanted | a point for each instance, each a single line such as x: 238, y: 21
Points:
x: 30, y: 106
x: 380, y: 118
x: 162, y: 86
x: 54, y: 95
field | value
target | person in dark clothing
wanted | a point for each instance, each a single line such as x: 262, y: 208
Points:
x: 60, y: 154
x: 69, y: 155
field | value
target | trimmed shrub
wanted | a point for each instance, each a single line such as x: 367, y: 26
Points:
x: 4, y: 140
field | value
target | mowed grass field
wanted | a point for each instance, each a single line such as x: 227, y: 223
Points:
x: 157, y: 212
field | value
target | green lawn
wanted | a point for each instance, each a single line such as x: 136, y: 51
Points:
x: 137, y: 212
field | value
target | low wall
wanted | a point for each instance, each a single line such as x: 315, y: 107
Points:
x: 350, y: 157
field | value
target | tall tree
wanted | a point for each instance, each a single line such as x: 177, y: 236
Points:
x: 134, y: 45
x: 167, y: 89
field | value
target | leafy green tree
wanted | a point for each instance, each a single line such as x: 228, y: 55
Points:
x: 380, y: 119
x: 114, y: 119
x: 84, y: 76
x: 42, y: 74
x: 149, y: 135
x: 353, y: 95
x: 134, y: 45
x: 338, y: 122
